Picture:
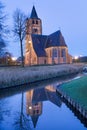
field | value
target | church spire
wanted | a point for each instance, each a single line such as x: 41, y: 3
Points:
x: 34, y: 120
x: 34, y: 13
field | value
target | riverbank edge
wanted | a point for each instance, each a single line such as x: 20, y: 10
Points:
x: 35, y: 75
x: 72, y: 102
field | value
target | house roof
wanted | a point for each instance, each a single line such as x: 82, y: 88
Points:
x: 42, y: 94
x: 33, y: 13
x: 55, y: 39
x: 39, y: 44
x: 39, y: 95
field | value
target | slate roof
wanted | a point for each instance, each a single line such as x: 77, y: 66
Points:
x: 55, y: 39
x: 42, y: 94
x: 52, y: 97
x: 39, y: 95
x: 40, y: 42
x: 33, y: 13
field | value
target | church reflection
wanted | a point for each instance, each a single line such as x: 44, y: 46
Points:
x: 35, y: 98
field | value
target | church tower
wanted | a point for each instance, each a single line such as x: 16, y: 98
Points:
x: 33, y: 26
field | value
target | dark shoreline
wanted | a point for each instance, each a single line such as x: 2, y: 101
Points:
x: 9, y: 91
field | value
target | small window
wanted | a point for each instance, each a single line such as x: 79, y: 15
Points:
x: 36, y: 22
x: 37, y: 111
x: 33, y: 22
x: 34, y: 112
x: 35, y: 30
x: 36, y: 104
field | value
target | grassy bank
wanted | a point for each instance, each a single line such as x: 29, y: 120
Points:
x: 12, y: 76
x: 77, y: 91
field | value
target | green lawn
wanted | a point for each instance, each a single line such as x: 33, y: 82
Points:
x: 77, y: 90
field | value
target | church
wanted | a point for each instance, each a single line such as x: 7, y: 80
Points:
x: 44, y: 49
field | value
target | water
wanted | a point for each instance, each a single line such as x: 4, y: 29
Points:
x: 36, y: 107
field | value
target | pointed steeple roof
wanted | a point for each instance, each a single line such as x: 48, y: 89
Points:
x: 34, y: 120
x: 34, y: 13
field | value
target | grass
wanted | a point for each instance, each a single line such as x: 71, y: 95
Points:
x: 12, y: 76
x: 77, y: 90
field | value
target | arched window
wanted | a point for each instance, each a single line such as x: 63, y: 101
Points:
x: 50, y: 53
x: 36, y: 22
x: 54, y: 54
x: 33, y: 22
x: 63, y: 53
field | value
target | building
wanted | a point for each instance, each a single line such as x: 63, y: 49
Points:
x: 36, y: 97
x: 34, y: 109
x: 44, y: 49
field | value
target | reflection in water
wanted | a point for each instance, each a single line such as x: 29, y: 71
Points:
x: 33, y: 109
x: 75, y: 111
x: 36, y: 107
x: 4, y: 110
x: 35, y: 98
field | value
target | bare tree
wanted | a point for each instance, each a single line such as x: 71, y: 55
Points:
x: 2, y: 18
x: 3, y: 27
x: 19, y: 29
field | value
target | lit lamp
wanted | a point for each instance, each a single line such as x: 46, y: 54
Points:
x: 76, y: 58
x: 30, y: 107
x: 14, y: 58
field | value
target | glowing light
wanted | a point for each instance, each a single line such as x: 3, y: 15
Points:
x: 30, y: 107
x: 29, y: 41
x: 76, y: 57
x: 14, y: 58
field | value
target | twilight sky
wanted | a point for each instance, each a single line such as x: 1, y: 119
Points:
x: 70, y: 16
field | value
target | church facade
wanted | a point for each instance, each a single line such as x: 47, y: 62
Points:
x: 44, y: 49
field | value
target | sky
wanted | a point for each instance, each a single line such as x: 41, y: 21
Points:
x: 70, y: 16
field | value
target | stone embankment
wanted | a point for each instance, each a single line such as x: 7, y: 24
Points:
x: 14, y: 76
x: 73, y: 103
x: 74, y: 93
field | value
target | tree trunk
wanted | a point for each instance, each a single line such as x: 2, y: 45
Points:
x: 21, y: 115
x: 22, y: 58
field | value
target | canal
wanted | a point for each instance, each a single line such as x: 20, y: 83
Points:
x: 37, y: 107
